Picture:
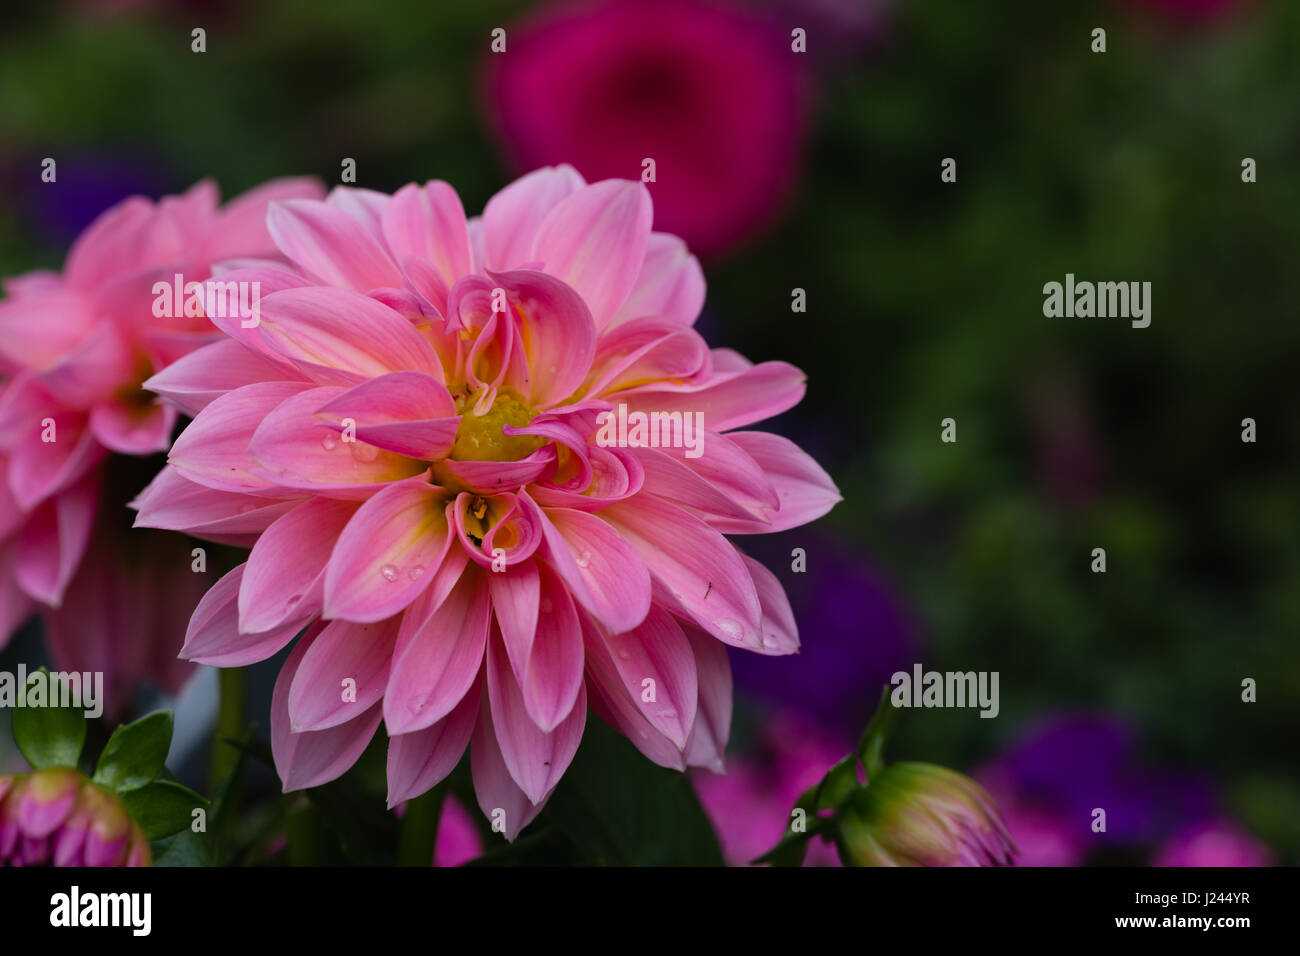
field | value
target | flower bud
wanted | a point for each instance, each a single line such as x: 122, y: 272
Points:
x: 917, y: 814
x: 58, y: 816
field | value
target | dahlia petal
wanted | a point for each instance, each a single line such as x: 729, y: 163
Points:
x: 535, y: 758
x: 780, y: 632
x: 230, y: 289
x: 213, y: 636
x: 419, y: 761
x: 670, y: 284
x: 174, y: 503
x: 366, y: 206
x: 194, y: 381
x: 320, y: 695
x: 556, y: 331
x: 804, y: 490
x: 386, y: 555
x: 429, y: 224
x: 342, y: 334
x: 657, y: 652
x: 312, y: 758
x: 699, y: 569
x: 130, y: 430
x: 610, y: 700
x: 707, y: 745
x: 409, y: 413
x: 110, y: 245
x: 645, y: 350
x: 595, y: 240
x: 15, y: 605
x: 331, y: 245
x: 671, y: 478
x: 499, y: 797
x: 285, y: 574
x: 545, y: 649
x: 488, y: 477
x: 214, y: 448
x: 240, y: 226
x: 36, y: 332
x: 728, y: 400
x: 39, y: 469
x: 99, y: 365
x: 602, y: 569
x: 511, y: 217
x: 295, y: 449
x: 434, y: 665
x: 53, y: 541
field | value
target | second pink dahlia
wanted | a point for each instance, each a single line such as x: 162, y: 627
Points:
x: 411, y: 441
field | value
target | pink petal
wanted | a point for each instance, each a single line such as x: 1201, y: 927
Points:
x: 285, y: 574
x: 240, y: 227
x: 343, y: 651
x: 804, y: 491
x: 410, y: 413
x: 657, y: 651
x: 214, y: 638
x: 670, y: 284
x: 419, y: 761
x: 436, y: 661
x: 536, y: 759
x: 780, y: 632
x: 53, y: 541
x: 545, y: 650
x: 388, y: 552
x: 730, y: 399
x: 111, y: 244
x: 595, y: 240
x: 700, y: 571
x: 499, y: 797
x: 39, y: 469
x: 214, y: 448
x: 331, y: 245
x: 645, y: 350
x: 175, y: 503
x: 707, y: 745
x: 429, y: 224
x: 312, y: 758
x: 512, y: 216
x: 556, y: 332
x: 295, y: 449
x: 131, y: 430
x: 601, y: 568
x: 343, y: 335
x: 193, y: 382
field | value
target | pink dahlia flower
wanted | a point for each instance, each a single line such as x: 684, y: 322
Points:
x: 414, y: 437
x: 1213, y: 843
x: 74, y: 350
x: 712, y: 93
x: 58, y: 816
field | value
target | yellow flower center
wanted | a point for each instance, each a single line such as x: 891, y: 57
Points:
x: 479, y: 437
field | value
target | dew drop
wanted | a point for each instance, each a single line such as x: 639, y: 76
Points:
x: 584, y: 559
x: 364, y: 453
x: 329, y: 442
x: 415, y: 572
x: 389, y: 572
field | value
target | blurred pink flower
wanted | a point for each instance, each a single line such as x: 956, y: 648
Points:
x: 715, y: 96
x: 413, y: 437
x: 749, y: 805
x: 57, y: 816
x: 458, y: 839
x: 74, y: 349
x: 1045, y: 838
x: 1217, y: 843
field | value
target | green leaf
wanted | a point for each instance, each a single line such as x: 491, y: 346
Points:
x: 163, y: 807
x: 840, y: 781
x: 49, y: 736
x: 136, y: 753
x: 185, y: 848
x: 618, y: 808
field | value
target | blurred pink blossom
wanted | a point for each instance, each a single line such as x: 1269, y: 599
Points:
x: 1216, y: 843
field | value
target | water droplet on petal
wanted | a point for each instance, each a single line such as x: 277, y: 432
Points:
x: 415, y: 572
x: 389, y: 572
x: 584, y: 559
x: 329, y: 442
x: 364, y: 453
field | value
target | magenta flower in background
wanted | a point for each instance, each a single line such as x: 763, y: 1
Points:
x: 74, y: 349
x: 413, y: 435
x: 458, y: 839
x: 1213, y: 843
x: 750, y: 804
x: 714, y: 95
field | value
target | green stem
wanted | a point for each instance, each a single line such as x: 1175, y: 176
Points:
x: 230, y: 725
x: 871, y: 748
x: 420, y: 829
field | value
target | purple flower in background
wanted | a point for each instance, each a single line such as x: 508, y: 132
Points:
x: 87, y: 185
x: 1053, y: 778
x: 1213, y: 843
x: 712, y: 94
x: 857, y: 633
